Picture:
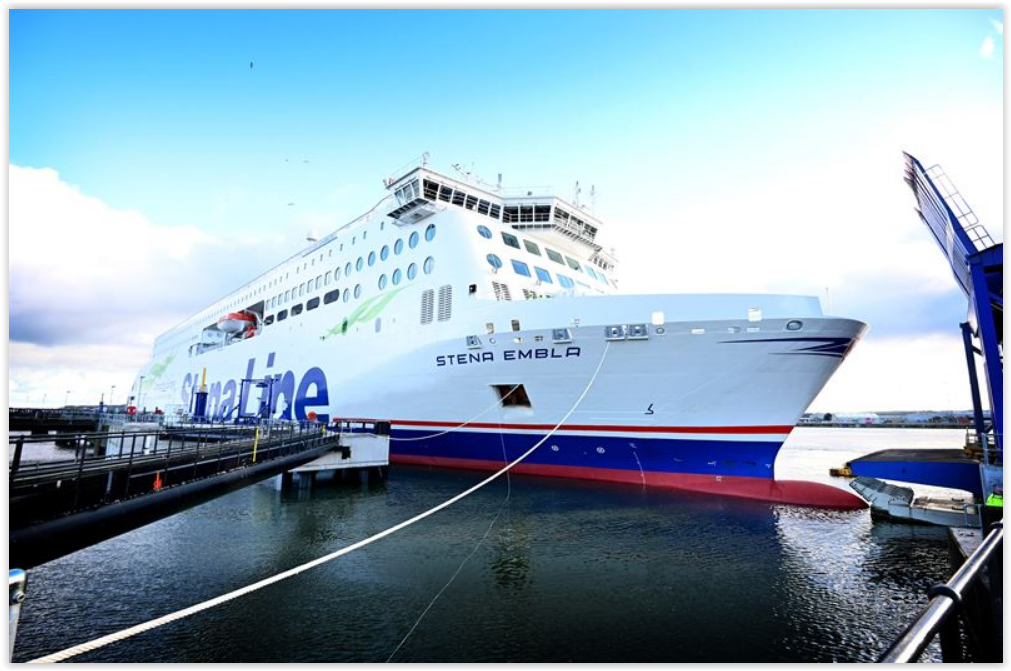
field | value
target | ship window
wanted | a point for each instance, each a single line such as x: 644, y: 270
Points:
x: 471, y: 202
x: 382, y: 281
x: 543, y: 275
x: 296, y: 309
x: 495, y: 209
x: 554, y: 256
x: 398, y: 246
x: 372, y: 259
x: 396, y: 276
x: 482, y: 206
x: 413, y: 240
x: 429, y: 265
x: 319, y: 281
x: 384, y: 253
x: 521, y: 268
x: 589, y: 271
x: 495, y: 261
x: 542, y: 212
x: 337, y: 273
x: 312, y: 303
x: 445, y: 193
x: 515, y: 323
x: 412, y: 271
x: 532, y: 247
x: 430, y: 233
x: 287, y: 295
x: 510, y: 213
x: 347, y: 269
x: 572, y: 263
x: 269, y: 320
x: 490, y: 327
x: 510, y: 240
x: 484, y: 232
x: 379, y: 324
x: 331, y: 296
x: 359, y: 264
x: 431, y: 189
x: 566, y: 281
x: 301, y: 289
x: 512, y: 395
x: 358, y: 291
x: 347, y: 295
x: 326, y: 278
x: 458, y: 198
x: 282, y: 315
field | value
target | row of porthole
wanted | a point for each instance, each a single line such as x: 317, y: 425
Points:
x: 384, y: 253
x: 412, y: 272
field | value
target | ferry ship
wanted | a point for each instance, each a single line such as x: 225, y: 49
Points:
x: 475, y: 320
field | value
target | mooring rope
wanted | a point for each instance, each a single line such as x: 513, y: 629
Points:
x: 129, y: 632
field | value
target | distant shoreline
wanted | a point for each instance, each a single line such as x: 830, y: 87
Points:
x: 890, y: 425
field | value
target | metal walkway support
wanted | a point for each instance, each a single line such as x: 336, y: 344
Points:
x: 957, y: 603
x: 977, y: 263
x: 17, y: 583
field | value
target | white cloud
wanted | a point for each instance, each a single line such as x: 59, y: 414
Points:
x: 998, y: 26
x: 90, y: 286
x: 926, y: 373
x: 986, y: 49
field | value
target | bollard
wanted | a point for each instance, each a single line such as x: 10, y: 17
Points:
x: 17, y: 581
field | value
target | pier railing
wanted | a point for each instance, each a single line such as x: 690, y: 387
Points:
x: 957, y: 603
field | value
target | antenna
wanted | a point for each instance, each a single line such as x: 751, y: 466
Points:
x: 576, y: 199
x: 593, y: 198
x: 499, y: 187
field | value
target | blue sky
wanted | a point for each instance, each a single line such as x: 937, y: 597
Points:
x: 732, y: 150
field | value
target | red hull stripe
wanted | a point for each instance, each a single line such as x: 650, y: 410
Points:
x: 795, y: 492
x: 772, y: 430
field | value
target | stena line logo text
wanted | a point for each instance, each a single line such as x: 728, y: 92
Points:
x: 506, y: 355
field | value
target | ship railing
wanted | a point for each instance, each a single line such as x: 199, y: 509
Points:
x: 957, y: 612
x: 17, y: 582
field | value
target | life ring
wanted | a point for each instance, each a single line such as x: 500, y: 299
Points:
x: 131, y: 410
x: 311, y: 416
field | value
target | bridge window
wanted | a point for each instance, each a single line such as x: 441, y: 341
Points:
x: 532, y: 247
x: 554, y: 256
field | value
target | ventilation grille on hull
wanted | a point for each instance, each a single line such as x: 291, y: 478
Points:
x: 445, y: 302
x: 501, y: 291
x: 427, y: 306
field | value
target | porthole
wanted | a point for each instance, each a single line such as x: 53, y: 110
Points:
x: 382, y: 281
x: 412, y: 271
x: 484, y: 232
x: 372, y: 259
x: 413, y: 240
x: 358, y: 291
x: 347, y: 295
x: 429, y: 265
x: 347, y: 269
x: 495, y: 261
x: 359, y: 264
x: 430, y: 233
x: 396, y: 277
x: 794, y: 325
x: 384, y: 253
x: 398, y: 246
x: 336, y: 274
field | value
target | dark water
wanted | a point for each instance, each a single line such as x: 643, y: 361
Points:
x: 568, y: 571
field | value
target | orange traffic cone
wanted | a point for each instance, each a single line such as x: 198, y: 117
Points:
x: 157, y: 481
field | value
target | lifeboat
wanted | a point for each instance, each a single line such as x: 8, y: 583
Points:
x: 234, y: 322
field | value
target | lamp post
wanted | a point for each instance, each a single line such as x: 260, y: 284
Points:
x: 111, y: 392
x: 66, y: 399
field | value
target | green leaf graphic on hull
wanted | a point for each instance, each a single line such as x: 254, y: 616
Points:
x: 157, y: 370
x: 367, y: 311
